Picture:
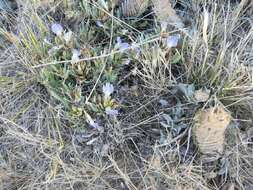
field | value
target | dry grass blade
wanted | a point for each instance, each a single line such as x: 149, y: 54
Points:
x: 134, y: 7
x: 209, y: 129
x: 165, y: 13
x: 205, y: 26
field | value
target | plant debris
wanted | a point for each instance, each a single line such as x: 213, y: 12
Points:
x: 209, y: 129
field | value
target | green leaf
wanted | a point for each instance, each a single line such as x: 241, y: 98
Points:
x: 176, y: 58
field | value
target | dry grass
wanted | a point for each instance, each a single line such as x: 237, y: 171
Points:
x: 45, y: 144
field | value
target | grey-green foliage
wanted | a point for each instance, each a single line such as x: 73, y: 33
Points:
x: 5, y: 5
x: 187, y: 89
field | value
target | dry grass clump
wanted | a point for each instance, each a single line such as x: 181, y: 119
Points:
x: 94, y: 99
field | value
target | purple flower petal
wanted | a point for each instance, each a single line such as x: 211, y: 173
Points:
x: 163, y: 102
x: 119, y: 41
x: 172, y: 41
x: 108, y: 90
x: 111, y: 112
x: 46, y: 41
x: 68, y: 36
x: 164, y: 26
x: 75, y: 55
x: 94, y: 125
x: 122, y: 46
x: 99, y: 23
x: 57, y: 29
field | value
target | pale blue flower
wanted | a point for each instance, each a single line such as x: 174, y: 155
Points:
x: 164, y: 26
x: 46, y: 41
x: 57, y: 29
x: 136, y: 48
x: 111, y: 112
x: 99, y: 23
x: 93, y: 124
x: 163, y: 102
x: 68, y: 36
x: 75, y: 55
x: 122, y: 46
x: 108, y: 90
x: 172, y: 41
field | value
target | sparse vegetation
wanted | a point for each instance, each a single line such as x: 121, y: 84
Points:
x: 123, y: 94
